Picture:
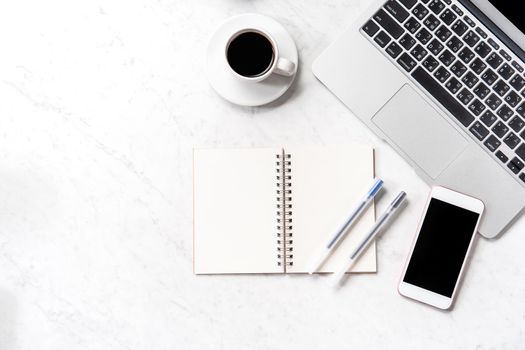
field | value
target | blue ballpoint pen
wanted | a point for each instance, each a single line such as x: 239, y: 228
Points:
x: 326, y: 250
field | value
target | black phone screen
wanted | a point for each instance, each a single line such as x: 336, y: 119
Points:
x: 441, y: 247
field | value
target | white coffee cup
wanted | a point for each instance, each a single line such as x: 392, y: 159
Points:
x: 248, y: 55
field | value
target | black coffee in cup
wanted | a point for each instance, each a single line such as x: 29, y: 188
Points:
x: 250, y: 54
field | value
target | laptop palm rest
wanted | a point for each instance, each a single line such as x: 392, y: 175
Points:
x: 419, y: 131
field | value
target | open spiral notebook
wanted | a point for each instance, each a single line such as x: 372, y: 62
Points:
x: 269, y: 210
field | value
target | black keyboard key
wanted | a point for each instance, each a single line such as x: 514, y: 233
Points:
x: 446, y: 58
x: 516, y: 124
x: 435, y: 47
x: 523, y: 135
x: 394, y: 49
x: 518, y: 163
x: 512, y: 99
x: 506, y: 71
x: 448, y: 16
x: 517, y: 82
x: 396, y: 10
x: 453, y: 85
x: 430, y: 63
x: 493, y: 101
x: 488, y: 118
x: 511, y: 140
x: 469, y: 21
x: 407, y: 41
x: 431, y: 22
x: 466, y: 55
x: 489, y: 77
x: 412, y: 25
x: 408, y: 3
x: 505, y: 55
x: 515, y: 165
x: 481, y: 33
x: 471, y: 38
x: 493, y: 44
x: 436, y: 6
x: 521, y: 110
x: 500, y: 129
x: 443, y: 33
x: 482, y: 91
x: 382, y: 39
x: 458, y: 68
x: 501, y: 156
x: 522, y: 177
x: 442, y: 96
x: 419, y: 52
x: 442, y: 74
x: 520, y: 151
x: 494, y: 60
x: 476, y: 107
x: 479, y: 131
x: 470, y: 79
x: 465, y: 96
x: 478, y: 66
x: 492, y: 143
x: 504, y: 112
x: 501, y: 88
x: 459, y: 27
x: 388, y: 24
x: 370, y: 28
x: 420, y: 11
x: 454, y: 44
x: 517, y: 66
x: 482, y: 49
x: 406, y: 62
x: 423, y: 36
x: 457, y: 10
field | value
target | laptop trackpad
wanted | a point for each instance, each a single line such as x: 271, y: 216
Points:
x: 420, y: 131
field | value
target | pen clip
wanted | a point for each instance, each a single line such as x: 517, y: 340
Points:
x: 399, y: 199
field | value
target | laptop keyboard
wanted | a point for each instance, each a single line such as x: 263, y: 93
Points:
x: 459, y: 64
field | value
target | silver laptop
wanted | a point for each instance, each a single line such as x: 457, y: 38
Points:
x: 442, y: 81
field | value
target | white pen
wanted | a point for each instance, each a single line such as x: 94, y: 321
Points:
x: 343, y: 229
x: 380, y: 223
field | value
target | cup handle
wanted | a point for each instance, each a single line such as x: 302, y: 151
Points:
x: 284, y: 67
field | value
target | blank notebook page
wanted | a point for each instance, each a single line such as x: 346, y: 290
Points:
x: 235, y: 211
x: 327, y: 183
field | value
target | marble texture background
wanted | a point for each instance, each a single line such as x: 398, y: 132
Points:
x: 101, y: 103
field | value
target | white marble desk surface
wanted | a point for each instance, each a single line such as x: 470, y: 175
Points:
x: 101, y: 103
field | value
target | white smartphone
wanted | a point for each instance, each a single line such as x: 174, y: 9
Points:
x: 441, y: 246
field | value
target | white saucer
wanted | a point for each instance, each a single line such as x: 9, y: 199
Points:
x: 232, y: 88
